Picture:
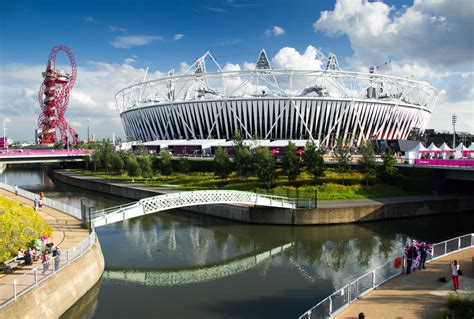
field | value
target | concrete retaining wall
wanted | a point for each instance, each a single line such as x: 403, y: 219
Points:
x: 59, y: 292
x: 336, y: 214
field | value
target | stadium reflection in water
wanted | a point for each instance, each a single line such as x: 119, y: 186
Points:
x: 177, y: 264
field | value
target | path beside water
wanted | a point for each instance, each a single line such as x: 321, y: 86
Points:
x: 417, y: 295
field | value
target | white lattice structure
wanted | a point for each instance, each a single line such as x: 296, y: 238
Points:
x: 185, y: 199
x: 276, y: 104
x: 197, y: 274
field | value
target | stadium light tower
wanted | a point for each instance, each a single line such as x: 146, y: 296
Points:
x: 454, y: 118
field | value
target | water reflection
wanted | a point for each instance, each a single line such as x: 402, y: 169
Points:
x: 176, y: 264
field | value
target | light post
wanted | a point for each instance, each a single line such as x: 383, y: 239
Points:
x: 454, y: 118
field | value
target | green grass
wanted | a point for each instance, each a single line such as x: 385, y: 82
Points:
x: 331, y: 187
x: 458, y: 307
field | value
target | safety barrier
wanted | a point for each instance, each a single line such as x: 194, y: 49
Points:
x: 72, y: 211
x: 11, y: 291
x: 344, y: 296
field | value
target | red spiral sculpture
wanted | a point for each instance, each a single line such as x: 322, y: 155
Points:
x: 53, y: 98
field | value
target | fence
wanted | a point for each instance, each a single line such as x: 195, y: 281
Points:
x: 72, y: 211
x: 10, y: 292
x: 343, y: 297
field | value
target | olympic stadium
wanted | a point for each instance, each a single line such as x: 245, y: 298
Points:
x: 275, y: 104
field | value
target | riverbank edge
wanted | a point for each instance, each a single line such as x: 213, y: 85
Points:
x: 57, y: 294
x: 340, y: 212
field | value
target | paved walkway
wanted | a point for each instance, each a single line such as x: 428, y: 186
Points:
x: 67, y: 232
x: 418, y: 295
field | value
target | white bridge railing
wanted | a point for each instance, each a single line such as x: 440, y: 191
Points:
x: 72, y: 211
x: 184, y: 199
x: 344, y: 296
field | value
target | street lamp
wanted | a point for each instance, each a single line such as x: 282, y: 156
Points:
x: 454, y: 118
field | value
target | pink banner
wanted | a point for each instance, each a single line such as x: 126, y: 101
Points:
x: 466, y: 162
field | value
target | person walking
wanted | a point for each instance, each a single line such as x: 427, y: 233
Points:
x: 16, y: 190
x: 45, y: 260
x: 56, y: 257
x: 423, y: 253
x: 35, y: 204
x: 455, y: 274
x: 411, y: 254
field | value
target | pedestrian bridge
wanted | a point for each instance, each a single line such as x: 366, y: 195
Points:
x: 160, y: 203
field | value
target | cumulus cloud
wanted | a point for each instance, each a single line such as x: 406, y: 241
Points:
x: 289, y: 58
x: 275, y: 31
x: 431, y: 32
x: 178, y: 36
x: 113, y: 28
x: 130, y: 60
x: 128, y: 41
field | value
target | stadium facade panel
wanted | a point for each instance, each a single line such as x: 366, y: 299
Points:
x: 323, y: 105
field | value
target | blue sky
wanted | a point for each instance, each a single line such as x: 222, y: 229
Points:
x: 114, y: 41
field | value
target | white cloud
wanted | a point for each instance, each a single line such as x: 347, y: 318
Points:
x: 178, y: 36
x: 249, y: 65
x: 289, y: 58
x: 129, y: 60
x: 183, y: 67
x: 88, y: 19
x: 128, y: 41
x: 275, y: 31
x: 113, y: 28
x: 430, y: 32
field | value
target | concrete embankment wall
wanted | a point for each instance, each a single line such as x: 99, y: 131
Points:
x: 59, y: 292
x: 335, y: 214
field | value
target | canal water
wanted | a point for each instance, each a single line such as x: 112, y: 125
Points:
x: 182, y: 265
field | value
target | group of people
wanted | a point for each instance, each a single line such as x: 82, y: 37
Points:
x: 41, y: 248
x: 38, y: 203
x: 415, y: 255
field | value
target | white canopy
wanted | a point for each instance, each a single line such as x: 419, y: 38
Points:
x: 471, y: 147
x: 445, y: 148
x: 461, y: 147
x: 419, y: 148
x: 433, y: 148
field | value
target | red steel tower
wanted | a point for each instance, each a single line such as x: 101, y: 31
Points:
x: 53, y: 98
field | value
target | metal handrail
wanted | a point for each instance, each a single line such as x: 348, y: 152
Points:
x: 69, y: 210
x: 329, y: 312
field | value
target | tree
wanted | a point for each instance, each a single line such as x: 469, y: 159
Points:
x: 146, y: 162
x: 387, y: 170
x: 342, y: 156
x: 117, y: 162
x: 367, y: 162
x: 266, y: 165
x: 133, y: 168
x: 243, y: 161
x: 107, y: 151
x: 96, y: 159
x: 291, y: 162
x: 184, y: 165
x: 166, y: 166
x: 313, y: 159
x: 222, y: 164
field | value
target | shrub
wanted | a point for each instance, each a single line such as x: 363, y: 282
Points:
x: 19, y: 226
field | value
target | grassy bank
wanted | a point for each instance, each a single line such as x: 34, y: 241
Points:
x: 332, y: 187
x: 19, y: 226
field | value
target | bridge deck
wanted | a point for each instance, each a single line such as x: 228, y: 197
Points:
x: 418, y: 295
